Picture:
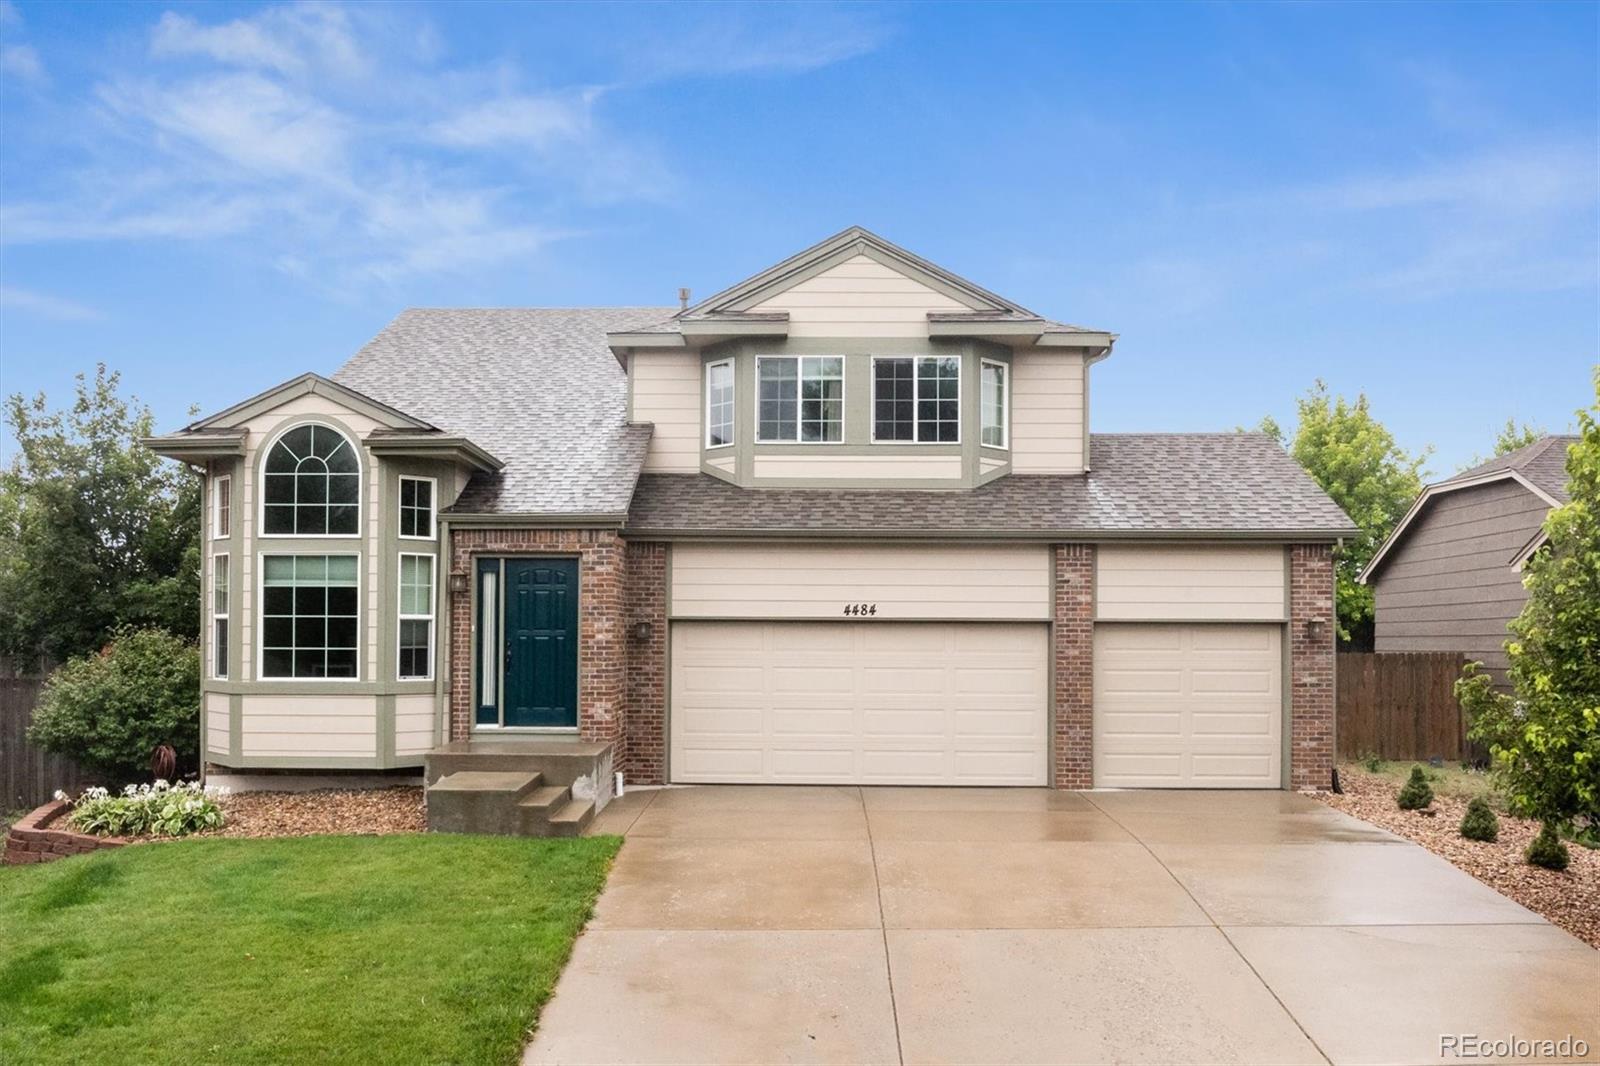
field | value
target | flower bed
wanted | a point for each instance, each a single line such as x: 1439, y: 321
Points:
x: 372, y: 811
x: 1570, y: 899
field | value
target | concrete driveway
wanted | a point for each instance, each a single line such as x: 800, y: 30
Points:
x: 882, y: 925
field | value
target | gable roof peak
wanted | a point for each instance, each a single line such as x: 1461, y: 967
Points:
x: 828, y: 252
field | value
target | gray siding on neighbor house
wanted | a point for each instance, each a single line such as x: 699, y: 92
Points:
x: 1448, y: 585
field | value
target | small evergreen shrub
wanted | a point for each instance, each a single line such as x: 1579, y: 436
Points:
x: 1373, y: 762
x: 1417, y: 793
x: 1480, y: 822
x: 1547, y: 850
x: 147, y: 810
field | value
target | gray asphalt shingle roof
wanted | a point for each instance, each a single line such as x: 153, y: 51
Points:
x: 1157, y: 484
x: 537, y: 387
x: 1544, y: 463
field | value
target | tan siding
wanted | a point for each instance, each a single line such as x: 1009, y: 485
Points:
x: 666, y: 391
x: 847, y: 467
x: 309, y: 726
x: 1221, y: 583
x: 413, y: 724
x: 217, y: 722
x: 1046, y: 413
x: 859, y: 298
x: 724, y: 461
x: 817, y: 581
x: 1447, y: 585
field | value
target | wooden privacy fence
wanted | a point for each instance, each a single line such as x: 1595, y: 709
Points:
x: 1400, y: 705
x: 28, y: 775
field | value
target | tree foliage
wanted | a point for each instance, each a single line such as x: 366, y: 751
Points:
x: 109, y: 709
x: 1545, y: 741
x: 96, y: 531
x: 1357, y: 462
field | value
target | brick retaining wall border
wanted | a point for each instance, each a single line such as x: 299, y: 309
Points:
x: 33, y: 840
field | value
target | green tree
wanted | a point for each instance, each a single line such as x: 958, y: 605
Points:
x: 96, y: 531
x: 1511, y: 437
x: 1357, y: 462
x: 1545, y: 740
x: 111, y: 708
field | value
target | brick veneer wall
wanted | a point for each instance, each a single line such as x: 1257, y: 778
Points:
x: 602, y: 635
x: 34, y: 840
x: 1311, y: 666
x: 645, y: 596
x: 1073, y: 638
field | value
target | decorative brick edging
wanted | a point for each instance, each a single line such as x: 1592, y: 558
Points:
x: 32, y: 839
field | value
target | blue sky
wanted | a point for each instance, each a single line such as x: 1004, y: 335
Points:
x: 1396, y: 199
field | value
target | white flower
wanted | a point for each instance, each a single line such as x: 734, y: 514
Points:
x: 60, y: 795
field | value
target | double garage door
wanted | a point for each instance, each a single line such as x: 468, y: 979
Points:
x: 928, y: 702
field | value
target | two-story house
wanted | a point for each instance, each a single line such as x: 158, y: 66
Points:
x: 843, y: 522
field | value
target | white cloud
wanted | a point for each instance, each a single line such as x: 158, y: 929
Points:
x: 539, y: 121
x: 45, y: 305
x: 292, y: 40
x: 778, y: 38
x: 21, y: 61
x: 1521, y: 180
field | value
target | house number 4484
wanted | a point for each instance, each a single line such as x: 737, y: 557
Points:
x: 860, y: 608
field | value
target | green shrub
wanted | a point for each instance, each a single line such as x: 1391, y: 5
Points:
x: 1480, y: 822
x: 147, y: 810
x: 1547, y: 850
x: 110, y: 710
x: 1417, y: 793
x: 1373, y: 762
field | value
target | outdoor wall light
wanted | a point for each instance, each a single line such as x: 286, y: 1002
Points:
x: 1316, y: 628
x: 642, y: 631
x: 458, y: 584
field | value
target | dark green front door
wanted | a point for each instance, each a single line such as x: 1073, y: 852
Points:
x: 541, y: 643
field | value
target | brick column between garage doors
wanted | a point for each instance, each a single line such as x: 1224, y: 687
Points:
x: 1073, y: 650
x: 645, y: 600
x: 1311, y: 666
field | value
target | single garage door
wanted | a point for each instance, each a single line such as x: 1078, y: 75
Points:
x: 925, y: 703
x: 1188, y: 706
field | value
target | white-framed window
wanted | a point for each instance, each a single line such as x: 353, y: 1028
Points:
x: 221, y: 507
x: 995, y: 404
x: 799, y: 399
x: 916, y: 399
x: 220, y: 588
x: 311, y: 484
x: 310, y: 617
x: 719, y: 404
x: 416, y: 618
x: 417, y: 507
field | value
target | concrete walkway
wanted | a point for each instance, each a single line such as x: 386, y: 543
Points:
x: 884, y: 925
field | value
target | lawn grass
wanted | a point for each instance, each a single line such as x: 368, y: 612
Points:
x: 401, y: 949
x: 1452, y: 780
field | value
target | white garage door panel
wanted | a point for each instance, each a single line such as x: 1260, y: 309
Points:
x: 1188, y: 706
x: 859, y: 702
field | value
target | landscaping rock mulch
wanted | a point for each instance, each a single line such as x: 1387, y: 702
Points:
x: 1570, y: 899
x: 370, y: 812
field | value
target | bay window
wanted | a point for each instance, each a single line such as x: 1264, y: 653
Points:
x: 311, y: 485
x: 719, y: 404
x: 416, y: 618
x: 416, y: 507
x: 219, y: 617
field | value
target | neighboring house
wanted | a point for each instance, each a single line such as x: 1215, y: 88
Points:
x: 841, y: 522
x: 1449, y: 577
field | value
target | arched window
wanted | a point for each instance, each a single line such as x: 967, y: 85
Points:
x: 312, y: 485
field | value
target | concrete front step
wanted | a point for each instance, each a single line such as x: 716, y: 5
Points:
x: 571, y: 819
x: 480, y: 801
